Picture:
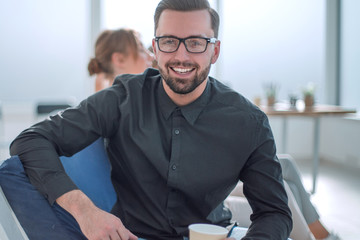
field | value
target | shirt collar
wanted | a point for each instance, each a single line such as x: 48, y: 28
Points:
x: 191, y: 111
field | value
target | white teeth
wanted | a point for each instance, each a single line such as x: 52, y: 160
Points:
x: 182, y: 70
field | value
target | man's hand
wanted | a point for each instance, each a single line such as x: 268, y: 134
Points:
x: 98, y: 224
x: 95, y: 223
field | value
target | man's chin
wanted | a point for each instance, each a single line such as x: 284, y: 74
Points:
x: 180, y: 89
x: 182, y: 86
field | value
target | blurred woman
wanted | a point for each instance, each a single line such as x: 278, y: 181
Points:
x: 118, y: 52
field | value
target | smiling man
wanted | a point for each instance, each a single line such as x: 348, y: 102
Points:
x: 178, y: 142
x: 185, y: 67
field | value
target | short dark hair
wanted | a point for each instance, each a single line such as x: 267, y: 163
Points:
x: 187, y: 5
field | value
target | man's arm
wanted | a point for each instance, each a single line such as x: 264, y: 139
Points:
x: 64, y: 134
x: 39, y: 148
x: 94, y: 222
x: 264, y: 189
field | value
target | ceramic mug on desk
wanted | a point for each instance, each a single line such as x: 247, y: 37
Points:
x: 201, y: 231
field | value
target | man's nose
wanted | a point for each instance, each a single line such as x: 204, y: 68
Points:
x: 182, y: 53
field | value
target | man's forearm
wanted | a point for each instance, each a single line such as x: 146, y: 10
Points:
x: 76, y: 203
x: 94, y: 222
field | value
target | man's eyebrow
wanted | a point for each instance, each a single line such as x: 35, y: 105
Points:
x: 201, y: 36
x: 168, y: 36
x: 191, y: 36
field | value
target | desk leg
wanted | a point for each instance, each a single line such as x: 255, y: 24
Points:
x: 284, y: 135
x: 316, y: 152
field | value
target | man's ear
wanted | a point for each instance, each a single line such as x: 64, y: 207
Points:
x: 118, y: 59
x: 216, y: 52
x: 154, y: 46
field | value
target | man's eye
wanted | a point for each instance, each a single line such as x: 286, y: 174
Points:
x: 195, y: 43
x: 169, y: 41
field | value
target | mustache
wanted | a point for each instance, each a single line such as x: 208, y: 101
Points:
x: 181, y: 64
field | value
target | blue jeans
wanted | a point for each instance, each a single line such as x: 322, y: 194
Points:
x: 41, y: 220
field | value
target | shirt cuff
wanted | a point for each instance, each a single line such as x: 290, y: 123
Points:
x: 57, y: 186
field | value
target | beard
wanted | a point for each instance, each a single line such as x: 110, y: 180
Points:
x: 182, y: 85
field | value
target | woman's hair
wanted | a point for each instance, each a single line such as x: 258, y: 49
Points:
x: 188, y: 5
x: 125, y: 41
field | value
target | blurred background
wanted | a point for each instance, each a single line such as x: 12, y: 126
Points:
x: 45, y: 47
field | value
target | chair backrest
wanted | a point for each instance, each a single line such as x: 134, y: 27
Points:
x: 90, y: 170
x: 1, y: 127
x: 10, y: 227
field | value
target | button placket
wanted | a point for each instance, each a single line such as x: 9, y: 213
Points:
x: 173, y: 177
x: 175, y: 147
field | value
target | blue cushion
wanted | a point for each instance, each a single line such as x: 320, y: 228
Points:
x: 90, y: 170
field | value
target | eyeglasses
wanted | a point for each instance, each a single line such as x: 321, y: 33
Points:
x: 192, y: 44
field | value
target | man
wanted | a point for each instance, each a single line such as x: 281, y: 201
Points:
x: 178, y: 142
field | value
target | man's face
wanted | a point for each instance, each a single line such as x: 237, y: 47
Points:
x: 183, y: 71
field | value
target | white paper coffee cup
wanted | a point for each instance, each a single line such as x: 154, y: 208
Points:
x: 203, y: 231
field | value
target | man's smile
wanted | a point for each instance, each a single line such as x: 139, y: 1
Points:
x: 182, y: 70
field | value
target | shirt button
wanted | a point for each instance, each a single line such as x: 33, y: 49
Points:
x: 177, y: 131
x: 173, y: 167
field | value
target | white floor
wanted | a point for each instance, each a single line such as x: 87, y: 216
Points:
x: 337, y: 197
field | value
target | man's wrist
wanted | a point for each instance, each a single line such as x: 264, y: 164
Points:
x: 76, y: 203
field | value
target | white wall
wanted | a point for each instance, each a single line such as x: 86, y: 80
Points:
x: 350, y: 53
x: 135, y: 17
x: 277, y: 41
x: 142, y: 21
x: 339, y: 138
x: 44, y: 50
x: 340, y: 141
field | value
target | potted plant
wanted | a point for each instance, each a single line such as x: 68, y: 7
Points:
x: 270, y: 92
x: 308, y: 94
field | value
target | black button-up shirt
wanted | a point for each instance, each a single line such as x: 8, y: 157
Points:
x: 171, y: 166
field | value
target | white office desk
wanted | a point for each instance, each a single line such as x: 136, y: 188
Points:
x: 315, y: 112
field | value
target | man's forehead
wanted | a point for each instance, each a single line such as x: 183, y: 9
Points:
x: 185, y: 23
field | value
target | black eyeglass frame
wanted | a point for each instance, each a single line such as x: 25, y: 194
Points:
x: 182, y: 40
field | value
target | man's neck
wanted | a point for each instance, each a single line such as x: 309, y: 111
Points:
x: 185, y: 99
